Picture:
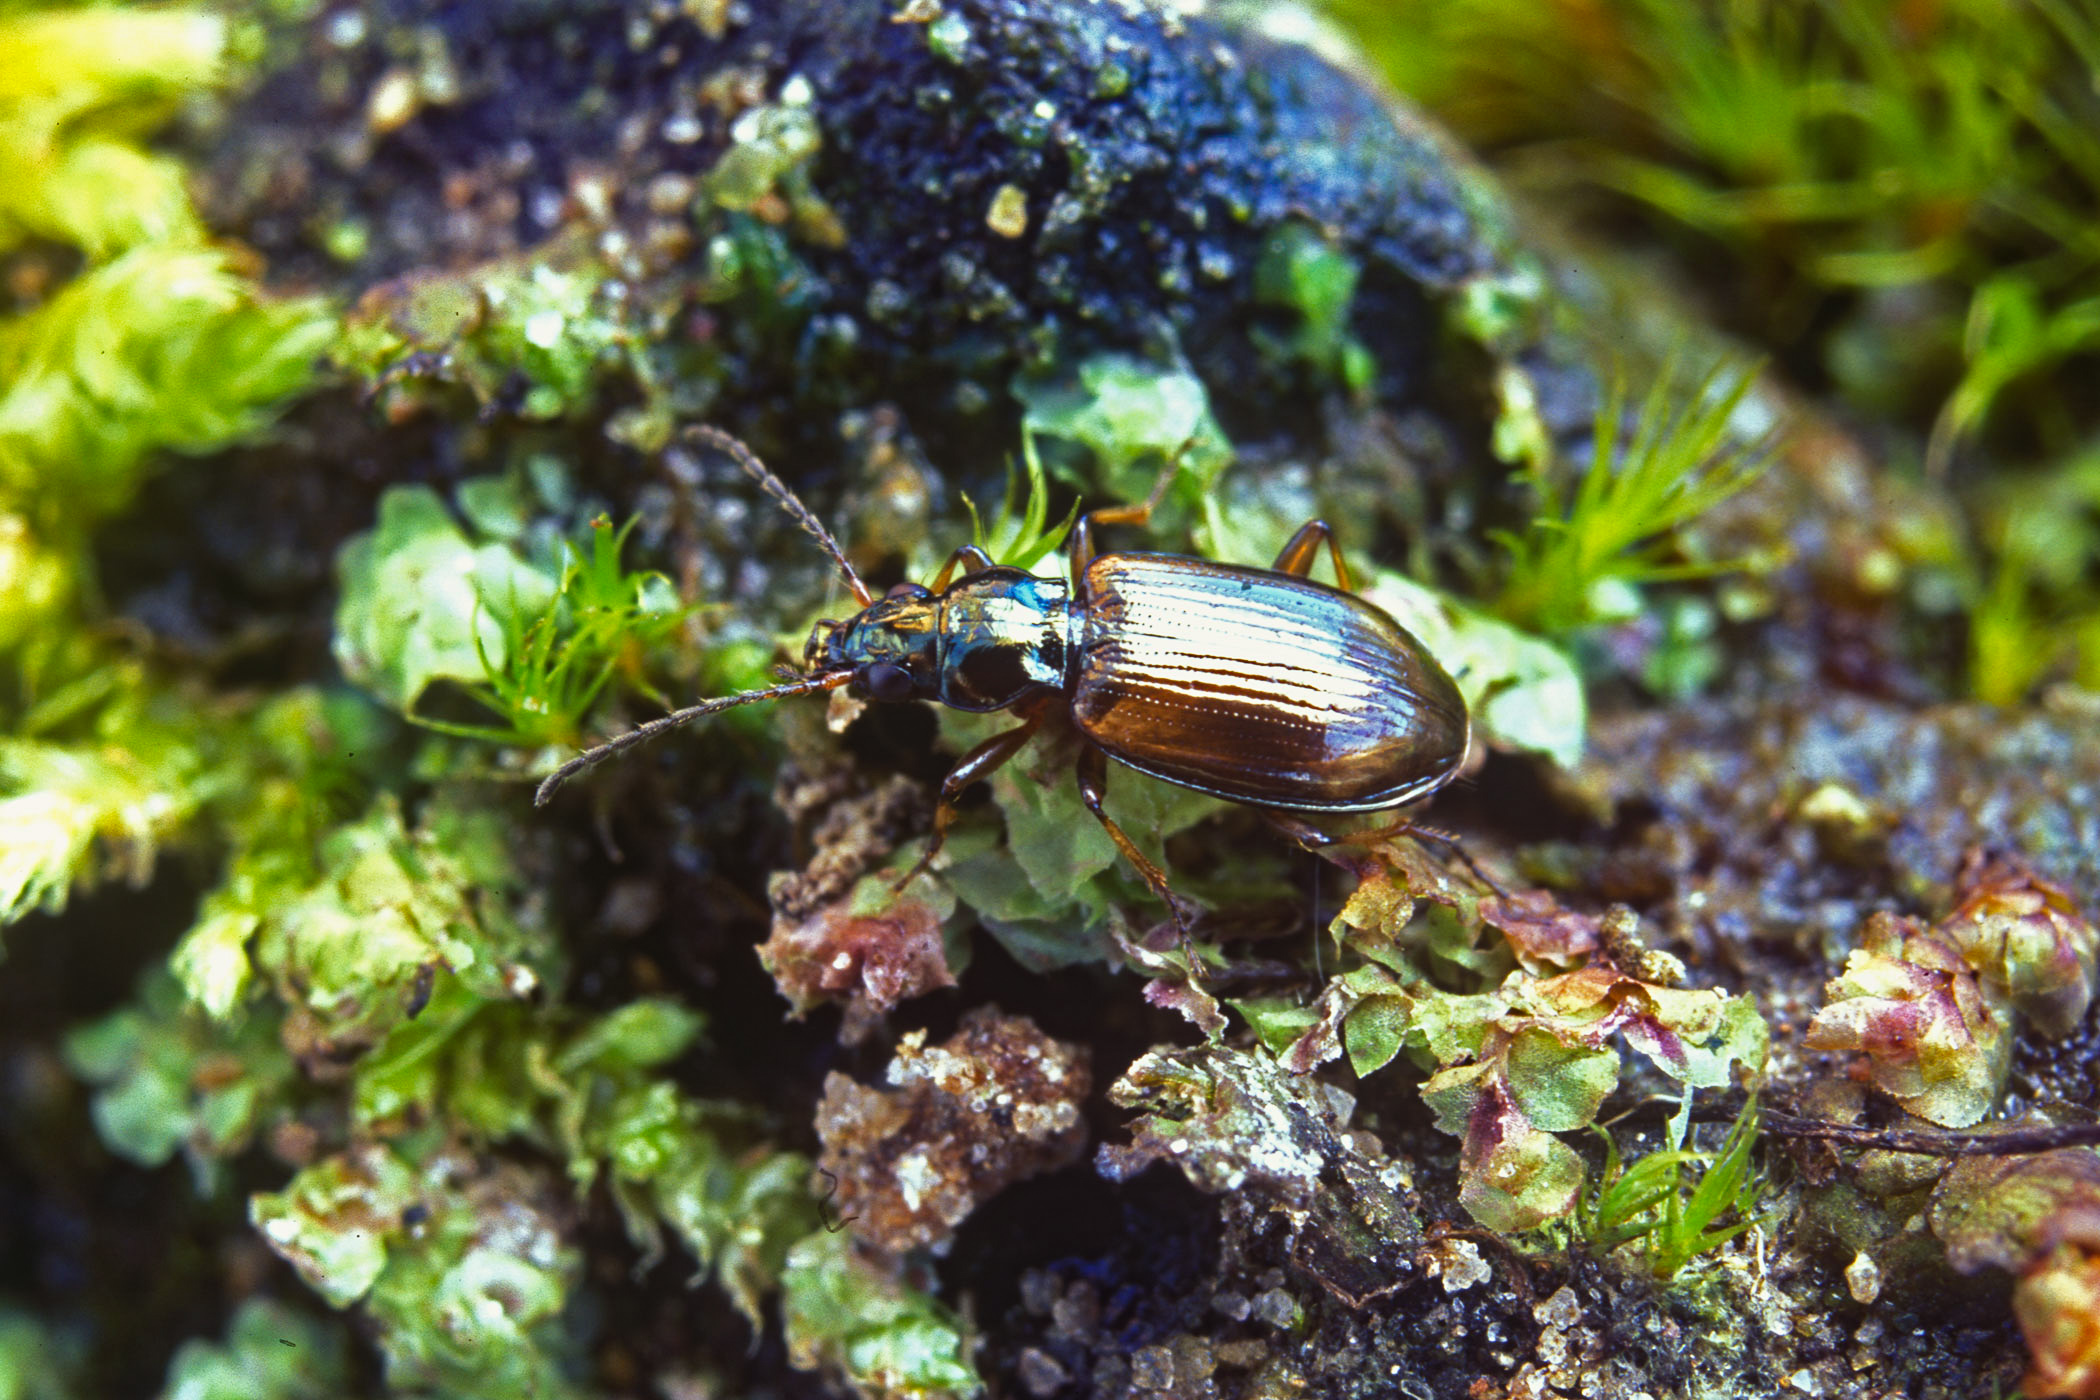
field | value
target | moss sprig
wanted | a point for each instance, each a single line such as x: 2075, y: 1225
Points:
x: 1673, y: 1221
x: 1619, y: 524
x: 602, y: 621
x: 1021, y: 534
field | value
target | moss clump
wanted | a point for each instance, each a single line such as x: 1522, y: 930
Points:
x: 1934, y: 1010
x: 76, y: 86
x: 531, y: 640
x: 1519, y: 1008
x: 270, y: 1353
x: 34, y: 1363
x: 849, y: 1318
x: 169, y: 1079
x: 157, y: 344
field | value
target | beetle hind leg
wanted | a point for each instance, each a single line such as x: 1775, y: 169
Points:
x: 1312, y: 838
x: 1093, y: 788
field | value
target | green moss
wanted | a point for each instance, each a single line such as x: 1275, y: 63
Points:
x: 1674, y: 1221
x: 168, y: 1078
x: 850, y: 1318
x: 1935, y: 1011
x: 271, y: 1352
x: 1021, y: 535
x: 532, y: 644
x: 2034, y: 613
x: 1130, y: 415
x: 356, y: 932
x: 162, y: 348
x: 76, y: 87
x: 461, y: 1265
x: 460, y: 1260
x: 74, y: 815
x: 112, y: 767
x: 553, y: 320
x: 1049, y: 890
x: 35, y: 1364
x: 1516, y: 1007
x: 591, y: 1093
x: 1841, y: 151
x: 157, y: 344
x: 1624, y: 521
x: 767, y: 163
x: 421, y: 603
x: 1303, y: 272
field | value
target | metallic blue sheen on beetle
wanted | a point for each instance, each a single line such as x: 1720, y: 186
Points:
x: 1259, y: 686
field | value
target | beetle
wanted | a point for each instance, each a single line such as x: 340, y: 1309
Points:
x: 1259, y: 686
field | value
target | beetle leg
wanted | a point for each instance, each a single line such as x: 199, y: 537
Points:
x: 969, y: 558
x: 1297, y: 556
x: 1093, y: 787
x: 1312, y: 838
x: 1139, y: 514
x: 980, y: 762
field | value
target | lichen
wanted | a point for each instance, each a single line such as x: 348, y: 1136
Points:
x: 996, y: 1103
x: 1241, y: 1124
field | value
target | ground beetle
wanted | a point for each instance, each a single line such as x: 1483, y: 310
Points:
x: 1255, y: 685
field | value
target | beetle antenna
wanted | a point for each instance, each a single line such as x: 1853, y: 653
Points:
x: 776, y: 488
x: 641, y: 733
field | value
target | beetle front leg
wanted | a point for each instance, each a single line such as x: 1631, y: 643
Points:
x: 1093, y: 788
x: 1297, y: 556
x: 980, y: 762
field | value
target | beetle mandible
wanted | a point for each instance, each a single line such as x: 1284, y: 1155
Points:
x: 1260, y: 686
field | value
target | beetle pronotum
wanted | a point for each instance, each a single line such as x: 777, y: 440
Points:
x: 1259, y: 686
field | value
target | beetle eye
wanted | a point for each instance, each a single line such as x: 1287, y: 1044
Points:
x: 905, y: 590
x: 884, y: 681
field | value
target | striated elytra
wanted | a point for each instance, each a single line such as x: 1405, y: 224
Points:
x: 1260, y: 686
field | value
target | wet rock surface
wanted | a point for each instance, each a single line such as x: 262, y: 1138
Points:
x: 1141, y: 161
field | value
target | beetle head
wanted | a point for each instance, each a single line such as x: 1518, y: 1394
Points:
x: 889, y: 647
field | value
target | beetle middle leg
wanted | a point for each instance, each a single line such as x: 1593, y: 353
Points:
x: 1139, y: 514
x: 1296, y: 557
x: 1093, y: 788
x: 980, y: 762
x: 967, y: 558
